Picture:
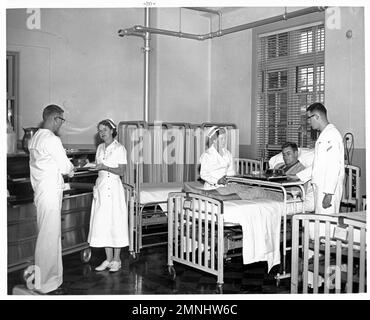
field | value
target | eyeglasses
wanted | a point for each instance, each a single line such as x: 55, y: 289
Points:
x: 312, y: 115
x: 61, y: 119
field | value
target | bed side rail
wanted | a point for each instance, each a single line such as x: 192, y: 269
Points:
x: 195, y: 232
x: 328, y: 254
x: 246, y: 166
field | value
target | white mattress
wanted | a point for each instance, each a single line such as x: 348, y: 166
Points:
x: 158, y: 193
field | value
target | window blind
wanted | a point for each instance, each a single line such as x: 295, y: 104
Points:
x: 290, y: 76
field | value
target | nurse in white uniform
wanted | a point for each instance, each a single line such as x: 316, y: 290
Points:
x: 328, y: 164
x: 109, y: 217
x: 217, y: 162
x: 48, y: 162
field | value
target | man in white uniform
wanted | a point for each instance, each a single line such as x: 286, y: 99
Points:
x: 48, y: 162
x: 328, y: 164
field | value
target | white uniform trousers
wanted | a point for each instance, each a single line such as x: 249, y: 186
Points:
x: 48, y: 252
x: 335, y: 202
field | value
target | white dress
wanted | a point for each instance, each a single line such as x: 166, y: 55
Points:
x: 109, y: 217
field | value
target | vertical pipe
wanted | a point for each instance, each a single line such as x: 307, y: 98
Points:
x: 146, y: 66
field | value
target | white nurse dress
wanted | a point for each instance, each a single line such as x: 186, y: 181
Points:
x: 109, y: 217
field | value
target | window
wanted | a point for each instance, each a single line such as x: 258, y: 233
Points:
x: 12, y: 59
x: 290, y: 77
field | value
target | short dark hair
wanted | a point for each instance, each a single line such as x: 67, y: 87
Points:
x: 51, y: 110
x: 289, y: 144
x: 318, y: 107
x: 110, y: 124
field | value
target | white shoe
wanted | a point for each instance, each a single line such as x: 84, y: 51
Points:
x: 105, y: 265
x: 115, y: 266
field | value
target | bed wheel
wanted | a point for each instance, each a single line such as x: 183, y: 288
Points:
x: 220, y: 289
x: 134, y: 255
x: 172, y: 272
x: 86, y: 255
x: 277, y: 278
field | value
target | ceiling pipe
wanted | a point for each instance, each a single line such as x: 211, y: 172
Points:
x: 285, y: 16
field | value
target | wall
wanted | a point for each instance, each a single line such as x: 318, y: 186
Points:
x: 77, y: 60
x: 181, y: 68
x: 345, y: 77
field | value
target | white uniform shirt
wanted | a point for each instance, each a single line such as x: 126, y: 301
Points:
x: 48, y: 160
x: 213, y: 166
x: 328, y: 164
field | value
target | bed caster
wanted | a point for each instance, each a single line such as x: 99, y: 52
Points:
x: 86, y: 255
x: 220, y: 289
x: 134, y: 255
x: 172, y: 272
x: 277, y: 278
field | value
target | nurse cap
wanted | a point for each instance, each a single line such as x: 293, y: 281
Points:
x: 212, y: 131
x: 111, y: 123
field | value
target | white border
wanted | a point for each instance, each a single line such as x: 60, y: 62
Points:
x: 161, y: 3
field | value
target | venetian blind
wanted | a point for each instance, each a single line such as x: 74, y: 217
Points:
x: 290, y: 77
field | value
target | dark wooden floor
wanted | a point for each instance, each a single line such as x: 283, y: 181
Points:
x: 149, y: 275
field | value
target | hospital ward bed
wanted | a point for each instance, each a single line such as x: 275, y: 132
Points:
x: 197, y: 223
x: 161, y: 157
x: 329, y: 253
x: 150, y: 207
x: 149, y: 220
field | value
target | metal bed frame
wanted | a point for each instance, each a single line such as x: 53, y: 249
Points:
x: 139, y: 175
x: 146, y: 215
x: 150, y: 214
x: 332, y: 239
x: 351, y: 199
x: 190, y: 228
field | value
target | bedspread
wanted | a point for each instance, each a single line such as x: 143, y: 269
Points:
x: 261, y: 223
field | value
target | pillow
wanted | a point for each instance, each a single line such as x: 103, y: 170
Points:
x: 305, y: 156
